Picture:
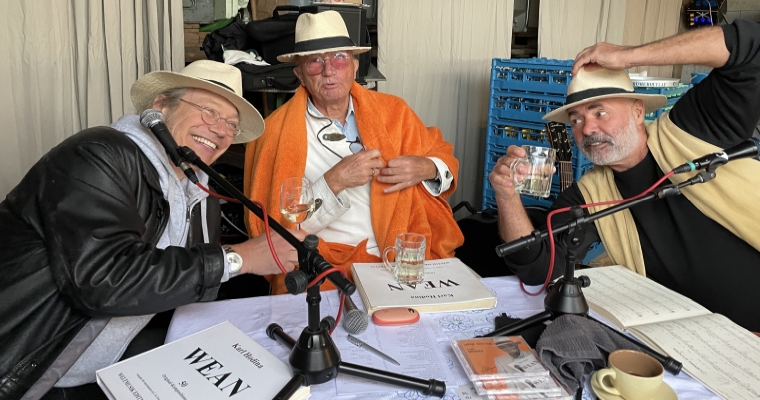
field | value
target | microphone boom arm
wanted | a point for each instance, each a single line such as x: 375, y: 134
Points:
x: 665, y: 191
x: 308, y: 258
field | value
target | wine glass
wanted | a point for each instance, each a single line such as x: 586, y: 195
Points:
x: 296, y: 200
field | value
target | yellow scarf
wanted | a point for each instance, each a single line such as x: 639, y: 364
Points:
x: 731, y: 199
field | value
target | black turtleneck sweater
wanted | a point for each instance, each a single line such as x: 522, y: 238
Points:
x: 683, y: 249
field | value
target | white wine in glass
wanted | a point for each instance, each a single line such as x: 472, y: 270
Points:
x: 296, y: 200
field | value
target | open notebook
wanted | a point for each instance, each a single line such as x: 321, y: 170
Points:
x: 714, y: 350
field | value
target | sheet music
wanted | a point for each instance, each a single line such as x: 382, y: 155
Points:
x: 714, y: 350
x: 410, y: 345
x: 633, y: 299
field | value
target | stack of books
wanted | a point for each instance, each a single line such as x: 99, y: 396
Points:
x: 506, y: 368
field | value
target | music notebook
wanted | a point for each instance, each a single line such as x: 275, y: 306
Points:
x: 449, y: 285
x: 714, y: 350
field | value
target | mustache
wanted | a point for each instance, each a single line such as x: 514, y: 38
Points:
x: 595, y: 138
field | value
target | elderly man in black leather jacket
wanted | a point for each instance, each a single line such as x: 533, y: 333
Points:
x: 104, y: 232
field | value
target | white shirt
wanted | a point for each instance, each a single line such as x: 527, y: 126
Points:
x: 344, y: 217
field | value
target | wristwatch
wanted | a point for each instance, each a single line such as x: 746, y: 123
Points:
x: 234, y: 260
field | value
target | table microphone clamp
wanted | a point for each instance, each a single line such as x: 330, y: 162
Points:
x: 314, y: 357
x: 566, y: 296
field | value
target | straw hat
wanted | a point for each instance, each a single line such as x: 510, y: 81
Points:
x: 321, y: 33
x: 602, y: 83
x: 222, y: 79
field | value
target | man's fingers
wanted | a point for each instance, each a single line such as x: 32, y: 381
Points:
x: 397, y: 187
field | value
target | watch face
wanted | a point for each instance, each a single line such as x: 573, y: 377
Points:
x: 236, y: 262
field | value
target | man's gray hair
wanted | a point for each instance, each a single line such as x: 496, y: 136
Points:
x: 172, y: 97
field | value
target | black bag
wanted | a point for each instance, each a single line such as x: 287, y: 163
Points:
x: 278, y: 76
x: 231, y: 37
x: 274, y: 36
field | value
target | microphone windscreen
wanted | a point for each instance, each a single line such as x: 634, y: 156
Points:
x: 150, y: 117
x: 355, y: 321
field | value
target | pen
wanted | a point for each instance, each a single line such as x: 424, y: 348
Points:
x: 354, y: 340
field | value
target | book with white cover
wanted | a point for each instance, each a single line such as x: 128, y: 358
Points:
x: 713, y: 349
x: 449, y: 285
x: 220, y: 362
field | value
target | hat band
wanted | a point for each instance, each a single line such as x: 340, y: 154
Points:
x: 219, y: 84
x: 589, y: 93
x: 322, y: 44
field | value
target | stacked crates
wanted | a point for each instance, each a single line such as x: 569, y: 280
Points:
x: 672, y: 93
x: 522, y: 92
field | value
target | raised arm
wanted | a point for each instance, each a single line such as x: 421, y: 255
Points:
x: 704, y: 46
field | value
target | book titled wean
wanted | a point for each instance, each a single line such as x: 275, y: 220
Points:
x: 449, y: 285
x: 220, y: 362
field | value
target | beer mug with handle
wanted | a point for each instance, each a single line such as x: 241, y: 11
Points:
x: 409, y: 267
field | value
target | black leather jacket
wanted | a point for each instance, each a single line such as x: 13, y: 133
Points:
x: 77, y: 240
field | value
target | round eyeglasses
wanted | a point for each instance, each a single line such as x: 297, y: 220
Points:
x: 212, y: 117
x: 316, y: 64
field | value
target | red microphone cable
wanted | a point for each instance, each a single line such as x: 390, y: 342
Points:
x: 274, y: 253
x: 565, y: 209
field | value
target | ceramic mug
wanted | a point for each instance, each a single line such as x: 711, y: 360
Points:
x: 632, y: 375
x: 409, y: 267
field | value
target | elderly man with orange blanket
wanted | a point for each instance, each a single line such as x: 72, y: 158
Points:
x: 377, y: 171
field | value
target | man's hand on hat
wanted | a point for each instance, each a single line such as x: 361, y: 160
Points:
x: 354, y: 170
x: 605, y: 55
x: 407, y: 171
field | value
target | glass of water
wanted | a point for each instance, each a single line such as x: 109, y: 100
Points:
x: 538, y: 180
x: 409, y: 267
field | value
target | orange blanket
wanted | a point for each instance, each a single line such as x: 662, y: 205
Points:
x: 385, y: 123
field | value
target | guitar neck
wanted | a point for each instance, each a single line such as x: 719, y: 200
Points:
x: 565, y: 174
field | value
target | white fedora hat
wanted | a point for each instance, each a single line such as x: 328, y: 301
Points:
x: 602, y: 83
x: 321, y: 33
x: 222, y: 79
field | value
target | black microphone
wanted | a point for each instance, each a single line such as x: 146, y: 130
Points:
x: 154, y: 120
x: 747, y: 148
x: 355, y: 320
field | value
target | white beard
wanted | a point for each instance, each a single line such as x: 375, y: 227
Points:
x: 625, y: 142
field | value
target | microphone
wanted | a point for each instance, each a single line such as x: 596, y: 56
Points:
x: 154, y: 120
x: 355, y: 320
x: 747, y: 148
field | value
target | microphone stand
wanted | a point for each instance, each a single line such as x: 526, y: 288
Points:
x: 566, y: 296
x: 314, y: 357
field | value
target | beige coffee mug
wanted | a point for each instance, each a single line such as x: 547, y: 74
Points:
x: 632, y: 375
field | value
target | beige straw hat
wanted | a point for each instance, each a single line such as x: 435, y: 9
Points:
x: 222, y: 79
x: 602, y: 83
x: 321, y: 33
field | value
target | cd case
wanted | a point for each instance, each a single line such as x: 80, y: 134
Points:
x: 544, y: 386
x: 507, y: 357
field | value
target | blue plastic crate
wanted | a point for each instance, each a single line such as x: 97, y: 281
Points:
x: 539, y: 75
x: 668, y: 92
x: 503, y: 133
x: 672, y: 93
x: 595, y: 251
x: 522, y: 105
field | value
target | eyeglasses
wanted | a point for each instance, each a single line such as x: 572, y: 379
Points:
x: 316, y: 64
x: 354, y: 146
x: 212, y: 117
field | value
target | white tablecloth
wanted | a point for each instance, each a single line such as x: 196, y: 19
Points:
x: 253, y: 315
